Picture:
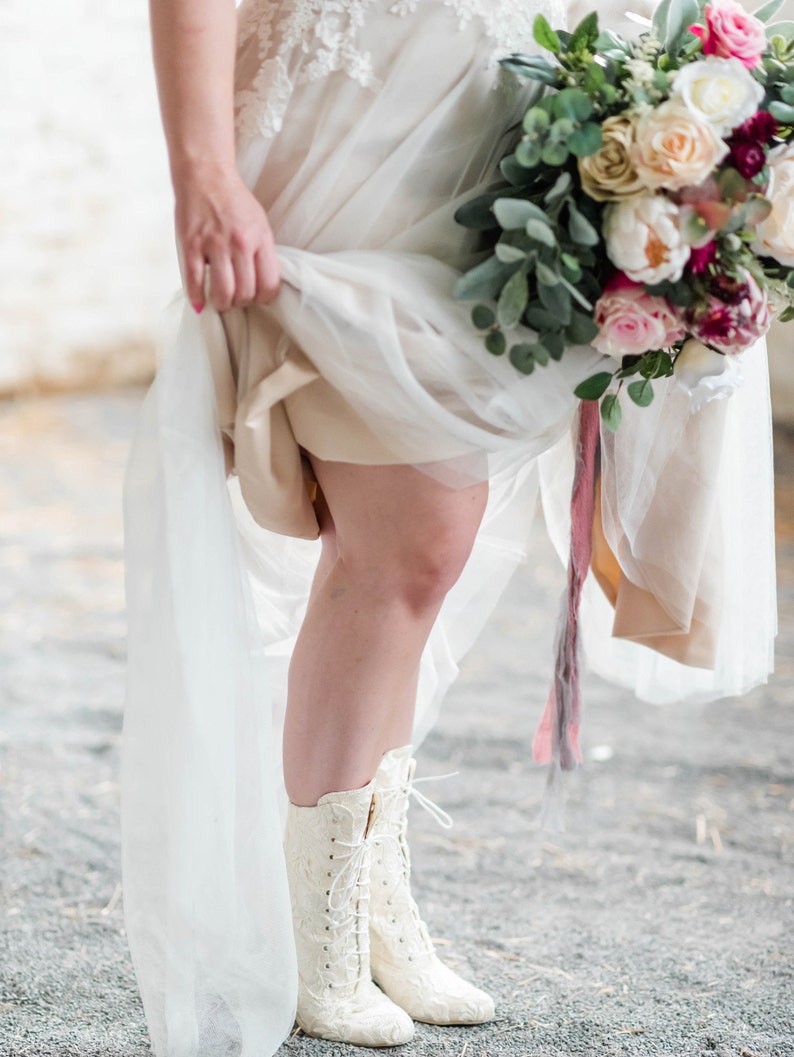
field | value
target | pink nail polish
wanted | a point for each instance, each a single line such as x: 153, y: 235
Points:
x: 198, y: 308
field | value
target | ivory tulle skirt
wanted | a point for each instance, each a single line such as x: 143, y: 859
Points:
x: 362, y: 125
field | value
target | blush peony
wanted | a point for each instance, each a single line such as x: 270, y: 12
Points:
x: 674, y: 148
x: 632, y: 322
x: 732, y: 33
x: 644, y: 239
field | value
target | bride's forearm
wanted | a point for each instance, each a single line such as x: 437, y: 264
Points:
x: 193, y: 43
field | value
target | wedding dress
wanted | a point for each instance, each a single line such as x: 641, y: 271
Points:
x: 362, y: 124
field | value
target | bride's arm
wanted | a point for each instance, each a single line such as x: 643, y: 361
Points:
x: 218, y: 220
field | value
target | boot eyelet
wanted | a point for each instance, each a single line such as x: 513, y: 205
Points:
x: 402, y: 940
x: 328, y: 964
x: 325, y: 946
x: 330, y: 856
x: 384, y: 881
x: 328, y: 929
x: 333, y: 840
x: 410, y: 959
x: 328, y: 891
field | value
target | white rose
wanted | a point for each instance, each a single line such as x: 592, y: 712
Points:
x: 644, y: 240
x: 720, y: 91
x: 775, y: 236
x: 704, y: 374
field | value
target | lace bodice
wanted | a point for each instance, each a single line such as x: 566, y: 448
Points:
x: 324, y: 37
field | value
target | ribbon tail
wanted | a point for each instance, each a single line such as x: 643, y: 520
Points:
x: 556, y: 740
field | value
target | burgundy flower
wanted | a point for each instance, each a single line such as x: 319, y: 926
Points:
x: 701, y: 257
x: 729, y: 291
x: 748, y: 158
x: 759, y: 129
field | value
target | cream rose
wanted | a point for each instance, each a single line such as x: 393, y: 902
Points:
x: 675, y: 149
x: 609, y: 174
x: 644, y: 240
x: 720, y: 92
x: 775, y: 236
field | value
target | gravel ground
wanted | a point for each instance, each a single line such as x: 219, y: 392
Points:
x: 659, y: 923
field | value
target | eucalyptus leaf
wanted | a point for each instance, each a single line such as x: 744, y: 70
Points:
x: 546, y: 276
x: 513, y: 213
x: 482, y: 317
x: 512, y: 300
x: 541, y: 352
x: 513, y: 172
x: 561, y: 185
x: 580, y: 228
x: 766, y: 11
x: 641, y: 392
x: 782, y: 111
x: 484, y: 281
x: 496, y: 343
x: 541, y: 320
x: 611, y: 412
x: 540, y: 70
x: 573, y: 103
x: 541, y: 232
x: 581, y: 330
x: 556, y: 300
x: 585, y: 140
x: 554, y: 154
x: 508, y: 254
x: 478, y: 213
x: 593, y: 388
x: 522, y: 357
x: 781, y: 29
x: 528, y: 153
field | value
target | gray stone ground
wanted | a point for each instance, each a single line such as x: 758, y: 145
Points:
x: 660, y: 923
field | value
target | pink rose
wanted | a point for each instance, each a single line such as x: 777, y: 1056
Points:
x: 732, y: 33
x: 735, y: 321
x: 632, y: 322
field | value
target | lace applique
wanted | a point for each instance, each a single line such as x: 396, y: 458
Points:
x: 326, y: 33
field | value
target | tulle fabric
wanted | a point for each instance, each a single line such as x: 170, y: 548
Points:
x: 365, y: 357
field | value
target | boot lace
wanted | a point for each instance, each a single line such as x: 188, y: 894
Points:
x: 347, y: 903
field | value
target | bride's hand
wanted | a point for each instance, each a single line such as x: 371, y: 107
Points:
x: 221, y: 224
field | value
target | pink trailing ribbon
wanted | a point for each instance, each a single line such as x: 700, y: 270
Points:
x: 556, y: 740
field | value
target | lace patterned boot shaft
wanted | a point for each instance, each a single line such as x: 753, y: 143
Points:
x: 404, y: 962
x: 328, y: 863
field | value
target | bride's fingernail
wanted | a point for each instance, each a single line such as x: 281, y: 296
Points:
x: 198, y: 308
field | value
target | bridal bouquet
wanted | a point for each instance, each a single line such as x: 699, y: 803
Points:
x: 648, y: 207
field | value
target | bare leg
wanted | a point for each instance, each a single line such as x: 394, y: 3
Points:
x: 394, y: 541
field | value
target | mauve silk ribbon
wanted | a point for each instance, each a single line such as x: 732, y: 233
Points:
x: 557, y: 737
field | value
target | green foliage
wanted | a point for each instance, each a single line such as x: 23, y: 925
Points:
x: 611, y: 412
x: 482, y: 317
x: 641, y: 392
x: 512, y: 300
x: 593, y: 388
x: 545, y: 35
x: 495, y: 342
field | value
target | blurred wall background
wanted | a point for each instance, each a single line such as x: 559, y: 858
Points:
x: 87, y: 261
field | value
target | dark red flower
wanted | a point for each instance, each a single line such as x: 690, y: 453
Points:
x: 747, y: 158
x: 760, y: 129
x: 701, y: 257
x: 730, y: 291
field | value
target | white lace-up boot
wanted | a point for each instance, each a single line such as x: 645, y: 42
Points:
x: 328, y: 850
x: 404, y: 962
